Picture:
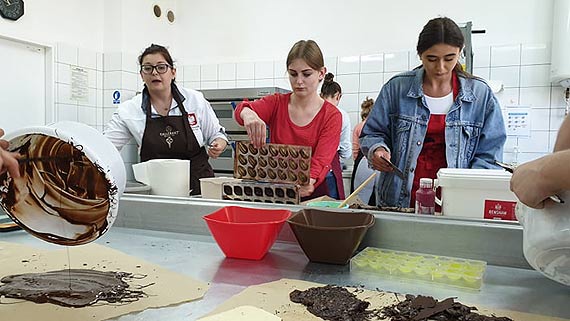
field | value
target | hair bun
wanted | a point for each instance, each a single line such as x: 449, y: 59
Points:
x: 329, y: 77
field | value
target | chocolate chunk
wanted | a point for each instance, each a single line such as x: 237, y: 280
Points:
x: 293, y: 151
x: 332, y: 303
x: 242, y: 147
x: 252, y: 149
x: 263, y: 150
x: 242, y: 159
x: 282, y: 163
x: 261, y: 173
x: 304, y: 165
x: 272, y: 163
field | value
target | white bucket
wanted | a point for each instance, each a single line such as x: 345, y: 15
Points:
x: 477, y: 193
x: 70, y: 188
x: 167, y: 177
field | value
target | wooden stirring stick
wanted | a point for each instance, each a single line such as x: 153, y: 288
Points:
x: 357, y: 190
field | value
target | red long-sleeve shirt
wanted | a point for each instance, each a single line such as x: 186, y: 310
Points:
x: 322, y: 133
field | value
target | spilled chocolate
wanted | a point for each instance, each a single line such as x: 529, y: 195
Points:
x: 71, y: 288
x: 419, y: 308
x: 64, y: 199
x: 332, y: 302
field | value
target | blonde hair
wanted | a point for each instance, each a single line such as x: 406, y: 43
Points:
x: 366, y: 107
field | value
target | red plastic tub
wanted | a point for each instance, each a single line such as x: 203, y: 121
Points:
x: 246, y: 233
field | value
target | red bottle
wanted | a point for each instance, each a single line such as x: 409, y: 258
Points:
x: 425, y: 197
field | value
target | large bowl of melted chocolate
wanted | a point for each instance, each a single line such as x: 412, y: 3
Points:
x: 70, y: 184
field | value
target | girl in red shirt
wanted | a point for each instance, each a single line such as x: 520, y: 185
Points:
x: 299, y: 118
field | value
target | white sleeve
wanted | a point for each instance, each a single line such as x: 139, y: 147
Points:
x: 116, y: 131
x: 211, y: 128
x: 345, y: 146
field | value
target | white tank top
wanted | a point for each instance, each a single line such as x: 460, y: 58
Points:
x: 439, y: 105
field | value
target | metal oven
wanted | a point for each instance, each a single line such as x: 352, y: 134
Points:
x: 223, y: 102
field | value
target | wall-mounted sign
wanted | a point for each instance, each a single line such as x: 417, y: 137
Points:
x: 116, y: 97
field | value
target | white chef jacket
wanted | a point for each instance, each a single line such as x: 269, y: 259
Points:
x: 345, y: 145
x: 129, y: 119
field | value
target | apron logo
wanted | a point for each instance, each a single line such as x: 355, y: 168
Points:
x: 169, y: 133
x: 192, y: 119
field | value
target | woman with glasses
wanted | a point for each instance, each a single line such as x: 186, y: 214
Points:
x: 299, y: 118
x: 168, y: 121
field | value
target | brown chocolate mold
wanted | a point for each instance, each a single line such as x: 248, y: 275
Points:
x: 292, y: 164
x: 262, y: 162
x: 243, y: 148
x: 273, y: 150
x: 271, y: 173
x: 252, y: 149
x: 282, y: 174
x: 292, y: 177
x: 242, y: 159
x: 252, y: 161
x: 284, y: 151
x: 279, y: 163
x: 303, y: 178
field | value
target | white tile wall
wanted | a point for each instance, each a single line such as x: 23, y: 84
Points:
x: 245, y: 70
x: 396, y: 61
x: 522, y: 68
x: 348, y: 65
x: 372, y: 63
x: 508, y: 55
x: 227, y: 72
x: 264, y: 70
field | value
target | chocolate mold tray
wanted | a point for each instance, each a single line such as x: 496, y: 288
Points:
x: 447, y: 270
x: 252, y: 191
x: 273, y: 163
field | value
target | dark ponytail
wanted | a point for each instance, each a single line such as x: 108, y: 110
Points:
x: 330, y: 87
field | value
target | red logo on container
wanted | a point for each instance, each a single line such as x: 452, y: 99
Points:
x: 192, y: 119
x: 500, y: 210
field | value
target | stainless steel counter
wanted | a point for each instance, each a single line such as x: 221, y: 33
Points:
x: 199, y: 257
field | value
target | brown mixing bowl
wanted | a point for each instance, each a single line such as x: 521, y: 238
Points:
x: 330, y: 236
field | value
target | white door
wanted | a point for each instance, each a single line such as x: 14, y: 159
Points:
x: 22, y: 85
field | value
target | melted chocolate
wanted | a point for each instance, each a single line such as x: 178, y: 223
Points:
x: 61, y: 197
x: 70, y: 288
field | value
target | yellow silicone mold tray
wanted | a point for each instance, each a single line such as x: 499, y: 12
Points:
x: 430, y: 268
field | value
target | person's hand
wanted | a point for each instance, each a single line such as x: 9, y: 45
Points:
x: 255, y: 127
x: 307, y: 190
x: 378, y: 163
x: 8, y: 161
x: 529, y: 184
x: 217, y: 147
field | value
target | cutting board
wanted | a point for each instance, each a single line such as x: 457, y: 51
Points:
x: 273, y: 297
x: 169, y: 288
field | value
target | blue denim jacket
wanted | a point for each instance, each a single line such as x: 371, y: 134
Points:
x: 474, y: 131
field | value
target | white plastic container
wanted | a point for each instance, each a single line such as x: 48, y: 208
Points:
x: 211, y: 187
x: 166, y: 177
x: 70, y: 186
x: 546, y: 238
x: 476, y: 193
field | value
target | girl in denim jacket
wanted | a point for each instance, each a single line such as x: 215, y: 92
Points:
x: 432, y: 117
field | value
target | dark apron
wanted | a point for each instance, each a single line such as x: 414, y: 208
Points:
x: 170, y: 137
x: 323, y: 188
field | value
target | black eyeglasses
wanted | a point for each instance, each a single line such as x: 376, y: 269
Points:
x: 160, y: 68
